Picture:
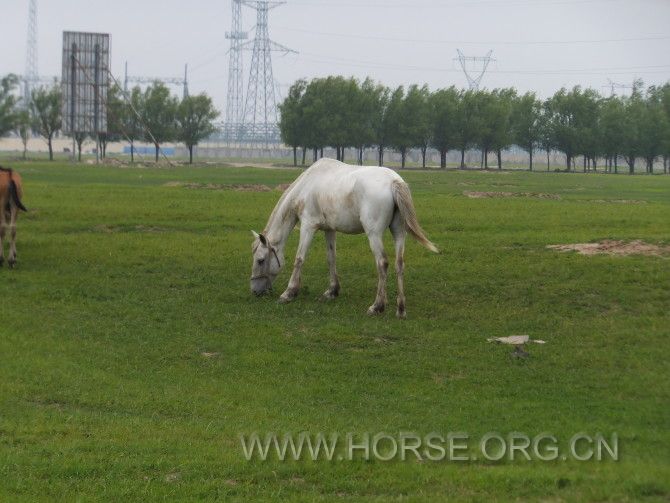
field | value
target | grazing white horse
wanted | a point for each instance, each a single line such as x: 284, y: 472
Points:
x: 332, y: 196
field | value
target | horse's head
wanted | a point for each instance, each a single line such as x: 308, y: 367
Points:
x: 266, y: 264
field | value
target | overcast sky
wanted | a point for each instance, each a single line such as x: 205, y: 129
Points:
x: 538, y: 45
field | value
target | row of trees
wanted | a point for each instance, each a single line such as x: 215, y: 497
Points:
x: 152, y: 115
x: 345, y: 113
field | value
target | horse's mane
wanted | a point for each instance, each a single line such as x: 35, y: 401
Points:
x: 280, y: 207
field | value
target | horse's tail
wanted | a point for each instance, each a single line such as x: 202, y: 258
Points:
x: 14, y: 194
x: 14, y: 189
x: 403, y: 201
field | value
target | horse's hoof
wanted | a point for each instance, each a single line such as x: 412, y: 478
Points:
x: 329, y: 295
x: 374, y: 309
x: 401, y: 315
x: 287, y: 297
x: 11, y: 263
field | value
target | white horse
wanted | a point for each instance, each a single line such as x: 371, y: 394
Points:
x: 332, y: 196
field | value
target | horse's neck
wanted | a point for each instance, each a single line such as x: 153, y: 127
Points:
x: 282, y: 221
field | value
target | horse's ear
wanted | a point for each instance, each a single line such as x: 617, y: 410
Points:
x: 263, y: 240
x: 255, y: 234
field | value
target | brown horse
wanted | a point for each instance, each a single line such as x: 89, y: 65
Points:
x: 10, y: 204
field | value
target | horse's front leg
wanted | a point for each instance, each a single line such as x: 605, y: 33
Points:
x: 306, y: 235
x: 377, y: 246
x: 334, y: 287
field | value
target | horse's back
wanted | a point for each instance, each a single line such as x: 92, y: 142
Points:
x: 5, y: 176
x: 326, y: 171
x: 343, y: 197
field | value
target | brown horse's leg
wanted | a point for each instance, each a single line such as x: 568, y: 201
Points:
x: 377, y: 246
x: 14, y: 211
x: 399, y: 233
x: 334, y: 288
x: 3, y: 229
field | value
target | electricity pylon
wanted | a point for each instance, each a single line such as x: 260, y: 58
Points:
x: 260, y: 109
x: 235, y: 100
x: 30, y: 75
x: 474, y: 81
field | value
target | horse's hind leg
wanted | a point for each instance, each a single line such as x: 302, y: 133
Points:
x: 399, y: 232
x: 3, y: 230
x: 377, y: 246
x: 13, y: 214
x: 334, y: 288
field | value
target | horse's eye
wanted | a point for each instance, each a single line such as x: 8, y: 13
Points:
x: 260, y: 261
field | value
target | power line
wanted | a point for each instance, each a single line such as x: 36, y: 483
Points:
x: 478, y: 42
x: 572, y: 71
x: 450, y: 5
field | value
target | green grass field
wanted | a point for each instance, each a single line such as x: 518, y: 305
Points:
x: 125, y: 279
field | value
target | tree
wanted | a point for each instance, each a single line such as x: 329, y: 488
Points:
x: 466, y: 120
x: 364, y: 112
x: 79, y: 139
x: 484, y: 120
x: 46, y: 111
x: 654, y: 129
x: 443, y: 106
x: 291, y: 121
x: 526, y: 124
x: 23, y: 128
x: 417, y: 117
x: 399, y: 126
x: 562, y: 115
x: 664, y: 96
x: 195, y: 121
x: 130, y: 125
x: 502, y: 121
x: 116, y: 109
x: 158, y: 110
x: 315, y: 116
x: 612, y: 130
x: 587, y: 117
x: 379, y: 120
x: 8, y: 100
x: 546, y: 140
x: 634, y: 112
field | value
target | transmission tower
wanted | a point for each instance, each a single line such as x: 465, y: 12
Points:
x: 260, y: 109
x: 235, y: 101
x: 613, y: 86
x: 481, y: 61
x: 30, y: 75
x: 150, y: 80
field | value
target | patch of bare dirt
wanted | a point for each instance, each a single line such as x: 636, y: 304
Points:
x: 172, y: 477
x: 619, y: 201
x: 282, y: 186
x: 614, y: 247
x: 109, y: 229
x: 240, y: 187
x: 482, y: 195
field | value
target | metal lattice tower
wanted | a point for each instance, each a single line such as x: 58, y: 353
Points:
x: 260, y: 109
x: 474, y: 81
x: 30, y: 76
x: 136, y: 79
x: 613, y: 86
x: 235, y: 101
